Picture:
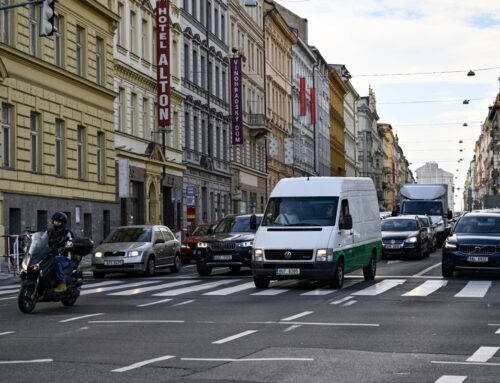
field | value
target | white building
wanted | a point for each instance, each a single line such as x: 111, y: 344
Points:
x: 430, y: 173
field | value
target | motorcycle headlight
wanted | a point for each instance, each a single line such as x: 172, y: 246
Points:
x: 245, y: 244
x: 35, y: 267
x: 323, y: 255
x: 449, y: 245
x: 202, y: 245
x: 411, y: 240
x: 258, y: 255
x: 98, y: 254
x: 135, y: 253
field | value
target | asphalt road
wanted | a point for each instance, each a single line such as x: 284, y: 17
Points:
x: 409, y: 325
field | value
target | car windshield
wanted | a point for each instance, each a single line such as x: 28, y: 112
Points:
x: 234, y: 224
x: 478, y: 225
x: 129, y: 234
x: 301, y: 211
x: 200, y: 231
x: 399, y: 225
x: 422, y: 207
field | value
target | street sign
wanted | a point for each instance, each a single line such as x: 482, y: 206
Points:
x: 191, y: 190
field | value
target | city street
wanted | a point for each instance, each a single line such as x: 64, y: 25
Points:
x: 409, y: 325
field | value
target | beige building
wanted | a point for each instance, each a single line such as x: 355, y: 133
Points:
x: 279, y: 39
x: 56, y: 95
x: 148, y: 196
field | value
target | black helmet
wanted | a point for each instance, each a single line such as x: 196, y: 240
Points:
x: 61, y: 217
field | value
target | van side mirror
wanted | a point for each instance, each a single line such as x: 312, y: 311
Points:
x: 450, y: 214
x: 159, y: 240
x: 347, y: 224
x: 253, y: 222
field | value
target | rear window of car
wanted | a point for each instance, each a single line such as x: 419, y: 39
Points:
x: 129, y: 234
x: 399, y: 225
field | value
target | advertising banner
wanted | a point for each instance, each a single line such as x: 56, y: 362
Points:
x: 302, y: 96
x: 163, y: 63
x: 236, y: 101
x: 313, y: 106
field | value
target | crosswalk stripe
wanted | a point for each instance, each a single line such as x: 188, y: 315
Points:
x: 474, y: 289
x: 152, y: 288
x: 320, y: 291
x: 426, y: 288
x: 185, y: 290
x: 9, y: 287
x: 270, y: 292
x: 380, y: 287
x: 111, y: 288
x: 451, y: 379
x: 5, y: 292
x: 234, y: 289
x: 99, y: 284
x: 483, y: 354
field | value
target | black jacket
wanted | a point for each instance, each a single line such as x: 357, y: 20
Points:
x: 58, y: 238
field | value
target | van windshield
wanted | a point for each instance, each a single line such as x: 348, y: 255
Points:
x: 422, y: 207
x: 301, y: 211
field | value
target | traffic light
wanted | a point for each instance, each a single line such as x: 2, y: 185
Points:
x: 47, y: 18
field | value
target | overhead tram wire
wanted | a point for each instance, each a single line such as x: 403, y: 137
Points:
x: 430, y: 101
x: 422, y: 73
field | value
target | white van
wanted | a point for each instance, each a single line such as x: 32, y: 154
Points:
x: 318, y: 228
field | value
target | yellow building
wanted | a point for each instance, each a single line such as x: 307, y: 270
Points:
x: 338, y: 89
x: 56, y: 95
x: 389, y: 174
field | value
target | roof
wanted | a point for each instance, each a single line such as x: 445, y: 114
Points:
x: 320, y: 186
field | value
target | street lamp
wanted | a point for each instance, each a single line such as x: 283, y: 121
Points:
x: 471, y: 73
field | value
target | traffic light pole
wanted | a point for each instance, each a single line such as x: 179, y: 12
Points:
x: 9, y: 6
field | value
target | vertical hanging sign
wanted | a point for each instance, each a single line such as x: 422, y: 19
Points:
x: 302, y: 95
x: 236, y: 102
x: 313, y: 106
x: 163, y: 63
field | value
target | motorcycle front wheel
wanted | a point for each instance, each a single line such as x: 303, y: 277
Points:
x: 26, y: 299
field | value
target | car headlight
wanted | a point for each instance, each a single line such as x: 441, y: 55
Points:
x: 98, y: 254
x: 449, y: 245
x: 202, y: 245
x: 258, y: 255
x: 245, y: 244
x: 411, y: 240
x: 135, y: 253
x: 323, y: 255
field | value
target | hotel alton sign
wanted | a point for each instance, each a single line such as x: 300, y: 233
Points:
x: 163, y: 63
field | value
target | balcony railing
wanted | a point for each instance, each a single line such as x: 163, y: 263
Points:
x: 257, y: 123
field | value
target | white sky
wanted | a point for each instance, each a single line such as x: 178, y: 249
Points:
x: 408, y: 36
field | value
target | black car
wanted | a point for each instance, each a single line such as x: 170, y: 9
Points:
x: 473, y: 244
x: 229, y: 244
x: 404, y: 236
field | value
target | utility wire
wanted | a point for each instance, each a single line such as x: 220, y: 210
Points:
x: 422, y: 73
x: 431, y: 101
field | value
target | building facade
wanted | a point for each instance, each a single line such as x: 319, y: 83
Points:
x: 389, y: 171
x: 57, y: 137
x: 338, y: 90
x: 431, y: 173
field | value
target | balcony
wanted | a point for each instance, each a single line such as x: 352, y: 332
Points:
x: 257, y: 124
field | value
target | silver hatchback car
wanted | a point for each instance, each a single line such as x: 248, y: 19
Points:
x: 139, y: 249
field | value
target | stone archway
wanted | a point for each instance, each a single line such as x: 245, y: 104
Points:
x: 153, y: 201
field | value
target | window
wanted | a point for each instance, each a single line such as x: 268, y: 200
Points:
x: 202, y: 12
x: 132, y: 32
x: 203, y: 72
x: 133, y: 114
x: 153, y: 48
x: 224, y: 86
x: 223, y: 28
x: 59, y: 147
x: 33, y: 31
x: 204, y: 145
x: 216, y: 22
x: 195, y: 67
x: 209, y: 16
x: 187, y: 130
x: 217, y: 142
x: 80, y: 54
x: 100, y: 157
x: 144, y: 39
x: 4, y: 24
x: 186, y: 61
x: 145, y: 113
x: 155, y: 118
x: 121, y: 25
x: 58, y: 41
x: 80, y: 152
x: 224, y: 145
x: 194, y: 8
x: 217, y: 81
x: 99, y: 60
x: 5, y: 137
x: 210, y: 140
x: 34, y: 138
x: 41, y: 220
x: 195, y: 134
x: 121, y: 108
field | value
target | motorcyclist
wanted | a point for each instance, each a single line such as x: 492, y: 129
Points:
x: 60, y: 243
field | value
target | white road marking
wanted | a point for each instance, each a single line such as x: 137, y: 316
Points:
x: 350, y: 303
x: 451, y: 379
x: 292, y: 327
x: 233, y: 337
x: 3, y: 299
x: 104, y: 289
x: 333, y: 324
x: 271, y: 292
x: 155, y: 303
x: 185, y: 290
x: 498, y: 331
x: 232, y: 290
x: 380, y: 287
x: 303, y: 314
x: 426, y: 288
x: 26, y: 361
x: 465, y: 363
x: 474, y: 289
x: 320, y: 291
x: 424, y: 271
x: 5, y: 292
x: 249, y: 359
x: 80, y: 317
x: 392, y: 262
x: 156, y: 287
x: 143, y: 363
x: 136, y: 321
x: 6, y: 333
x: 183, y: 303
x: 483, y: 354
x: 99, y: 284
x: 341, y: 300
x: 8, y: 287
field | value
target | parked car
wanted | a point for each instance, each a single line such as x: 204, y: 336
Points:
x: 473, y: 244
x: 431, y: 230
x: 385, y: 214
x: 404, y: 236
x: 139, y: 249
x: 189, y: 244
x: 230, y: 245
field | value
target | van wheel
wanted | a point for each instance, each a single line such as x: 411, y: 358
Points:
x: 203, y: 270
x: 150, y: 267
x: 261, y: 283
x: 447, y: 271
x: 370, y: 270
x: 338, y: 276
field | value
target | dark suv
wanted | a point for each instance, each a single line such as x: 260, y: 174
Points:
x: 473, y: 244
x: 404, y: 236
x: 229, y: 244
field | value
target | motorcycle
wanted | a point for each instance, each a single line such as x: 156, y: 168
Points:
x: 38, y: 272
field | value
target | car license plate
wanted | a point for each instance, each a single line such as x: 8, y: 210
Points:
x: 222, y: 257
x: 109, y: 262
x: 473, y: 258
x: 390, y: 246
x: 287, y: 271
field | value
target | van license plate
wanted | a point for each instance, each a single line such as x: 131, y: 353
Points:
x: 112, y: 263
x: 287, y: 271
x: 223, y: 257
x: 473, y: 258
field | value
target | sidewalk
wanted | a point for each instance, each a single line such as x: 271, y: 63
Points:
x: 5, y: 275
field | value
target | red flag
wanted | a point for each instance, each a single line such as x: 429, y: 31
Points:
x: 302, y: 95
x: 313, y: 106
